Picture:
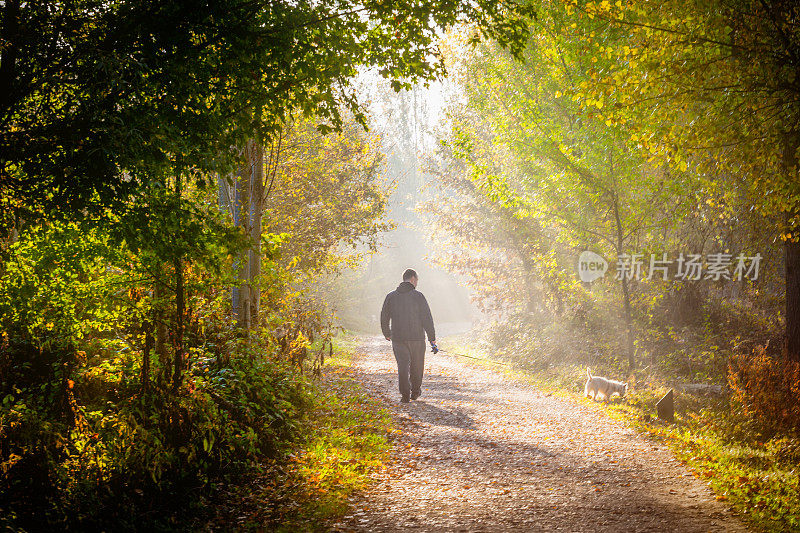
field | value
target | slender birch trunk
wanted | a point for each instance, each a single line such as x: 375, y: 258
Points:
x: 626, y: 293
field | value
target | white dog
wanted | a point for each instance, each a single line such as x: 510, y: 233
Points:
x: 596, y: 386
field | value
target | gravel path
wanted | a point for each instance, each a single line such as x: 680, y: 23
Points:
x: 481, y: 452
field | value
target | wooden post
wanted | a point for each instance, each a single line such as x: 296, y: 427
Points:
x: 666, y: 407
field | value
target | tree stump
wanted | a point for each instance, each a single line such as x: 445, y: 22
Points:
x: 666, y: 407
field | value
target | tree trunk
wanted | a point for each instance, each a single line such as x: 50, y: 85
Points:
x: 245, y: 206
x: 161, y: 332
x: 792, y: 260
x: 255, y: 234
x: 530, y: 282
x: 177, y: 369
x: 148, y: 346
x: 14, y: 235
x: 791, y: 142
x: 626, y: 294
x: 177, y: 375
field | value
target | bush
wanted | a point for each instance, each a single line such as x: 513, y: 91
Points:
x: 88, y: 439
x: 767, y: 388
x: 153, y: 455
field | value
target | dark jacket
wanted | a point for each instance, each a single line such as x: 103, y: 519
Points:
x: 409, y: 314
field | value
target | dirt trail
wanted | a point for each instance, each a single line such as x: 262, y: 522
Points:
x: 480, y: 452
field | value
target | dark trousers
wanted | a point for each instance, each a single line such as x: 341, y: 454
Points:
x: 410, y: 357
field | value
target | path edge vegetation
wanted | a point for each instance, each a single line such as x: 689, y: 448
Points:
x: 348, y: 441
x: 757, y: 476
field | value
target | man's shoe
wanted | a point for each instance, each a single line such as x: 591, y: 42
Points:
x: 415, y: 395
x: 404, y: 399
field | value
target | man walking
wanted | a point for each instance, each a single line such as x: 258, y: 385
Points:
x: 405, y: 319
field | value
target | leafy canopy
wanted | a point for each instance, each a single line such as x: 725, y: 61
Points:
x: 98, y: 97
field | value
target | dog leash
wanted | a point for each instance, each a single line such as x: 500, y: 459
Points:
x: 471, y: 357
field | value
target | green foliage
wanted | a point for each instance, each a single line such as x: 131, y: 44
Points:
x: 127, y: 394
x: 159, y: 226
x: 101, y: 98
x: 344, y: 440
x: 97, y: 463
x: 328, y: 189
x: 91, y: 431
x: 54, y: 290
x: 595, y: 141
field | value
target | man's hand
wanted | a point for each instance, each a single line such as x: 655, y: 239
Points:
x: 434, y: 348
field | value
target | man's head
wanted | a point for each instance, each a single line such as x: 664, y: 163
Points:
x: 410, y: 276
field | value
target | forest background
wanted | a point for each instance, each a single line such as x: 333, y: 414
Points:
x: 191, y: 204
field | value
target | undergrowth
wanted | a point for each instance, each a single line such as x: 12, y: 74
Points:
x: 749, y: 464
x: 755, y: 472
x: 346, y: 439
